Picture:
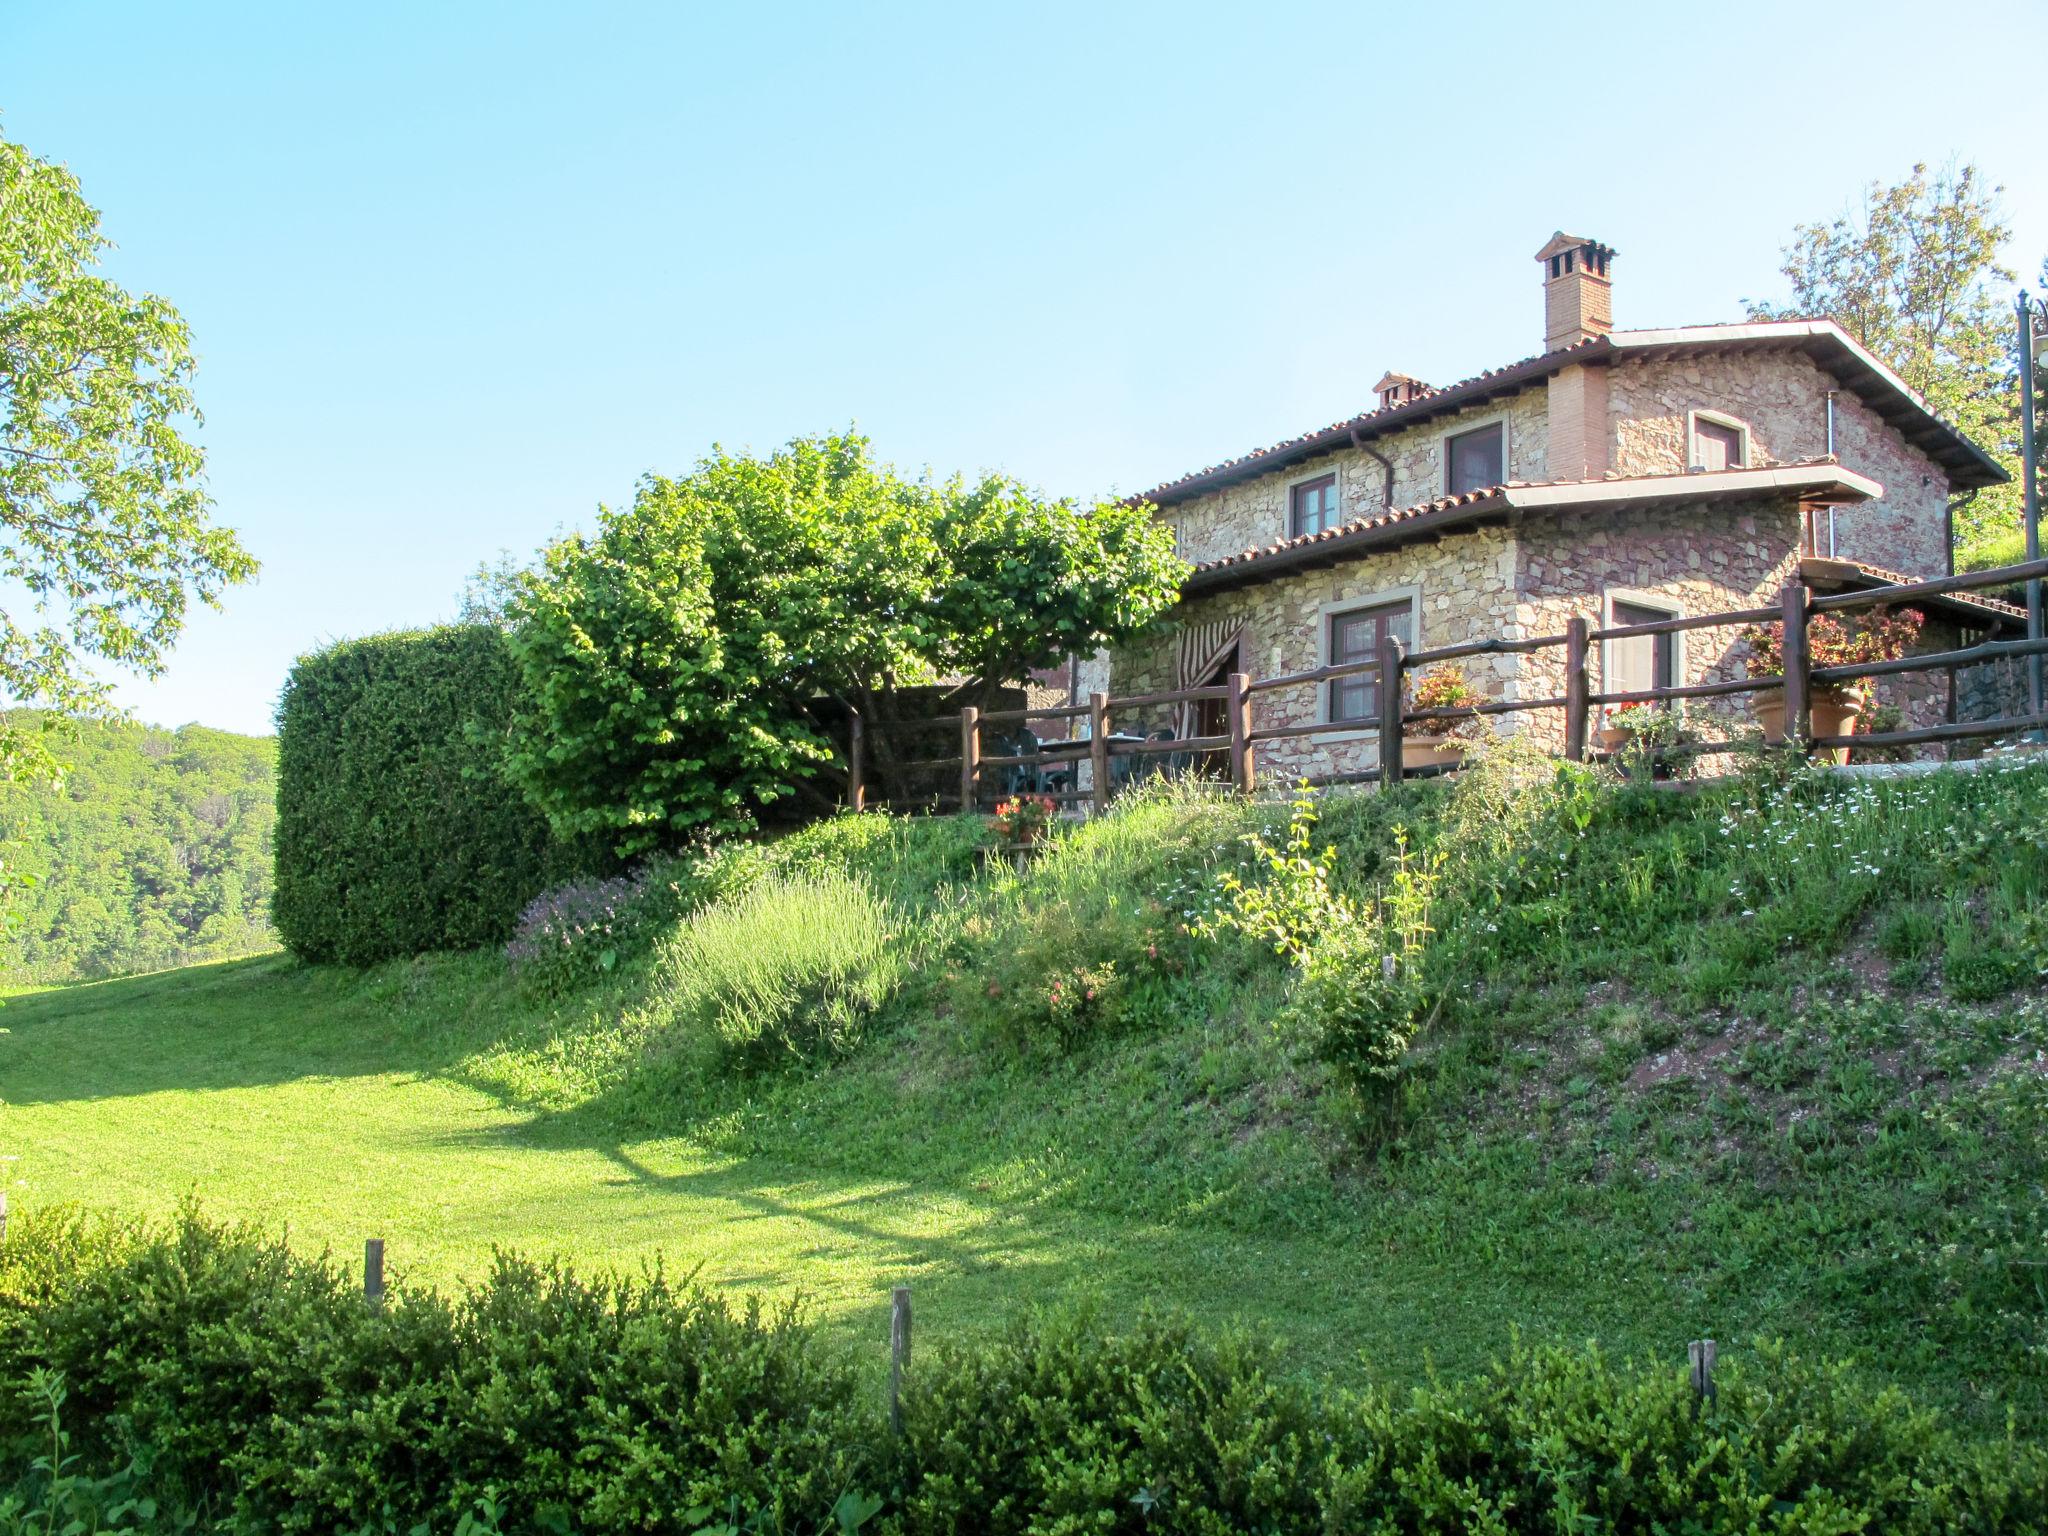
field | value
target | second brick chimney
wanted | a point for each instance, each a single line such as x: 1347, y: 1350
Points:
x: 1578, y: 290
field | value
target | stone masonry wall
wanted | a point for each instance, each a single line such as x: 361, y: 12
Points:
x: 1255, y: 514
x: 1700, y: 559
x: 1463, y: 586
x: 1782, y: 399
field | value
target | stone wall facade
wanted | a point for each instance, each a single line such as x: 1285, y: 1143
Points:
x: 1255, y: 514
x: 1463, y: 589
x: 1699, y: 559
x: 1782, y: 399
x: 1635, y: 419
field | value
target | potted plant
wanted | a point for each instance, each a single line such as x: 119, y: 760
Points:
x: 1834, y: 707
x: 1021, y: 820
x: 1621, y: 724
x: 1440, y: 743
x: 1637, y: 734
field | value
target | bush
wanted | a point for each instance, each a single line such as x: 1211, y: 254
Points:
x: 222, y: 1374
x: 396, y: 832
x: 259, y: 1385
x: 1055, y: 1427
x: 792, y: 966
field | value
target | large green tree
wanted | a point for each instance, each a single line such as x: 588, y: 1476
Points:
x: 105, y: 529
x: 673, y: 659
x: 1914, y: 274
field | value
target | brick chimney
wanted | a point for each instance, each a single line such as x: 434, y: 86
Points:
x: 1578, y: 290
x: 1398, y: 389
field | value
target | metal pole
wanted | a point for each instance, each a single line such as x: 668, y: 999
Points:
x: 2030, y: 498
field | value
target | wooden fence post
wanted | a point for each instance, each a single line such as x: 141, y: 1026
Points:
x: 373, y: 1271
x: 1238, y: 708
x: 1700, y: 1353
x: 856, y: 782
x: 1392, y: 704
x: 970, y: 760
x: 899, y: 1352
x: 1098, y: 748
x: 1575, y: 689
x: 1798, y: 721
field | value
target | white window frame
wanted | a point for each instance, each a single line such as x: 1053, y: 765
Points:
x: 1719, y: 419
x: 1663, y: 603
x: 1335, y: 475
x: 1476, y: 424
x: 1330, y: 611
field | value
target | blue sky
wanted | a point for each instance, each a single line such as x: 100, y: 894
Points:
x: 458, y: 273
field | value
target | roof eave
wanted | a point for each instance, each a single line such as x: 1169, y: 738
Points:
x: 1824, y: 483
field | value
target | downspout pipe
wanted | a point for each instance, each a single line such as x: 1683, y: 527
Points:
x: 1387, y: 485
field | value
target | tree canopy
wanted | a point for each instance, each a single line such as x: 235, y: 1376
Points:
x: 154, y: 850
x: 105, y: 527
x: 1912, y: 274
x: 672, y: 659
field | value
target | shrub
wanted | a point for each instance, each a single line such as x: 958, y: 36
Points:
x: 222, y: 1374
x: 396, y: 832
x: 1056, y: 1427
x: 575, y: 933
x: 259, y: 1384
x: 790, y: 966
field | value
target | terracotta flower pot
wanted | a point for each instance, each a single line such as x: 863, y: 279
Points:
x: 1610, y: 738
x: 1432, y: 752
x: 1830, y: 712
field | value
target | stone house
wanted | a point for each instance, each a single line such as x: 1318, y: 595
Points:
x: 1625, y: 475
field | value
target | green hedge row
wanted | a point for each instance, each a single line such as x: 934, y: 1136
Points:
x: 227, y: 1382
x: 396, y: 833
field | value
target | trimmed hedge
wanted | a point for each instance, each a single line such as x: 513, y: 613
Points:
x: 226, y: 1379
x: 396, y: 832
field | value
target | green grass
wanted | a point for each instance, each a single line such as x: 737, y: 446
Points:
x: 1696, y: 1070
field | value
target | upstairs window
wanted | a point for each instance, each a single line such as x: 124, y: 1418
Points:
x: 1313, y: 506
x: 1718, y: 444
x: 1356, y: 636
x: 1475, y: 460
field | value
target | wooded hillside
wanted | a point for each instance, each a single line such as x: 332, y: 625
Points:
x: 154, y: 851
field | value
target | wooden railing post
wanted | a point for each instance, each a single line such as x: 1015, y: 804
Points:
x: 1238, y: 709
x: 856, y: 744
x: 1392, y: 704
x: 1575, y: 689
x: 1798, y: 704
x: 1098, y: 748
x: 970, y: 760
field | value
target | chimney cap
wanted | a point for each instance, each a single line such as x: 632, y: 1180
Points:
x: 1561, y: 242
x: 1393, y: 379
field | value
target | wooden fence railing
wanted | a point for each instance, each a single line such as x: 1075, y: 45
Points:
x: 1796, y: 608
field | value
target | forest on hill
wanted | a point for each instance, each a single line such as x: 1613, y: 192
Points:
x: 153, y: 850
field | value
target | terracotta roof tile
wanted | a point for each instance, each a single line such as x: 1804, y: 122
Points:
x: 1997, y: 605
x: 1372, y: 418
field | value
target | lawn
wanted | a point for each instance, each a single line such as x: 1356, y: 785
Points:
x: 1688, y: 1082
x: 321, y: 1101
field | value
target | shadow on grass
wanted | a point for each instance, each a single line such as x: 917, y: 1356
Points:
x: 247, y: 1023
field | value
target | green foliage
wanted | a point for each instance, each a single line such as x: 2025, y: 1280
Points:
x: 794, y: 966
x: 104, y: 527
x: 1289, y: 902
x: 152, y: 850
x: 1912, y: 274
x: 1670, y: 1060
x: 228, y: 1377
x: 1057, y: 1427
x: 1087, y: 944
x: 258, y: 1384
x: 672, y: 658
x: 1363, y: 995
x: 396, y: 833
